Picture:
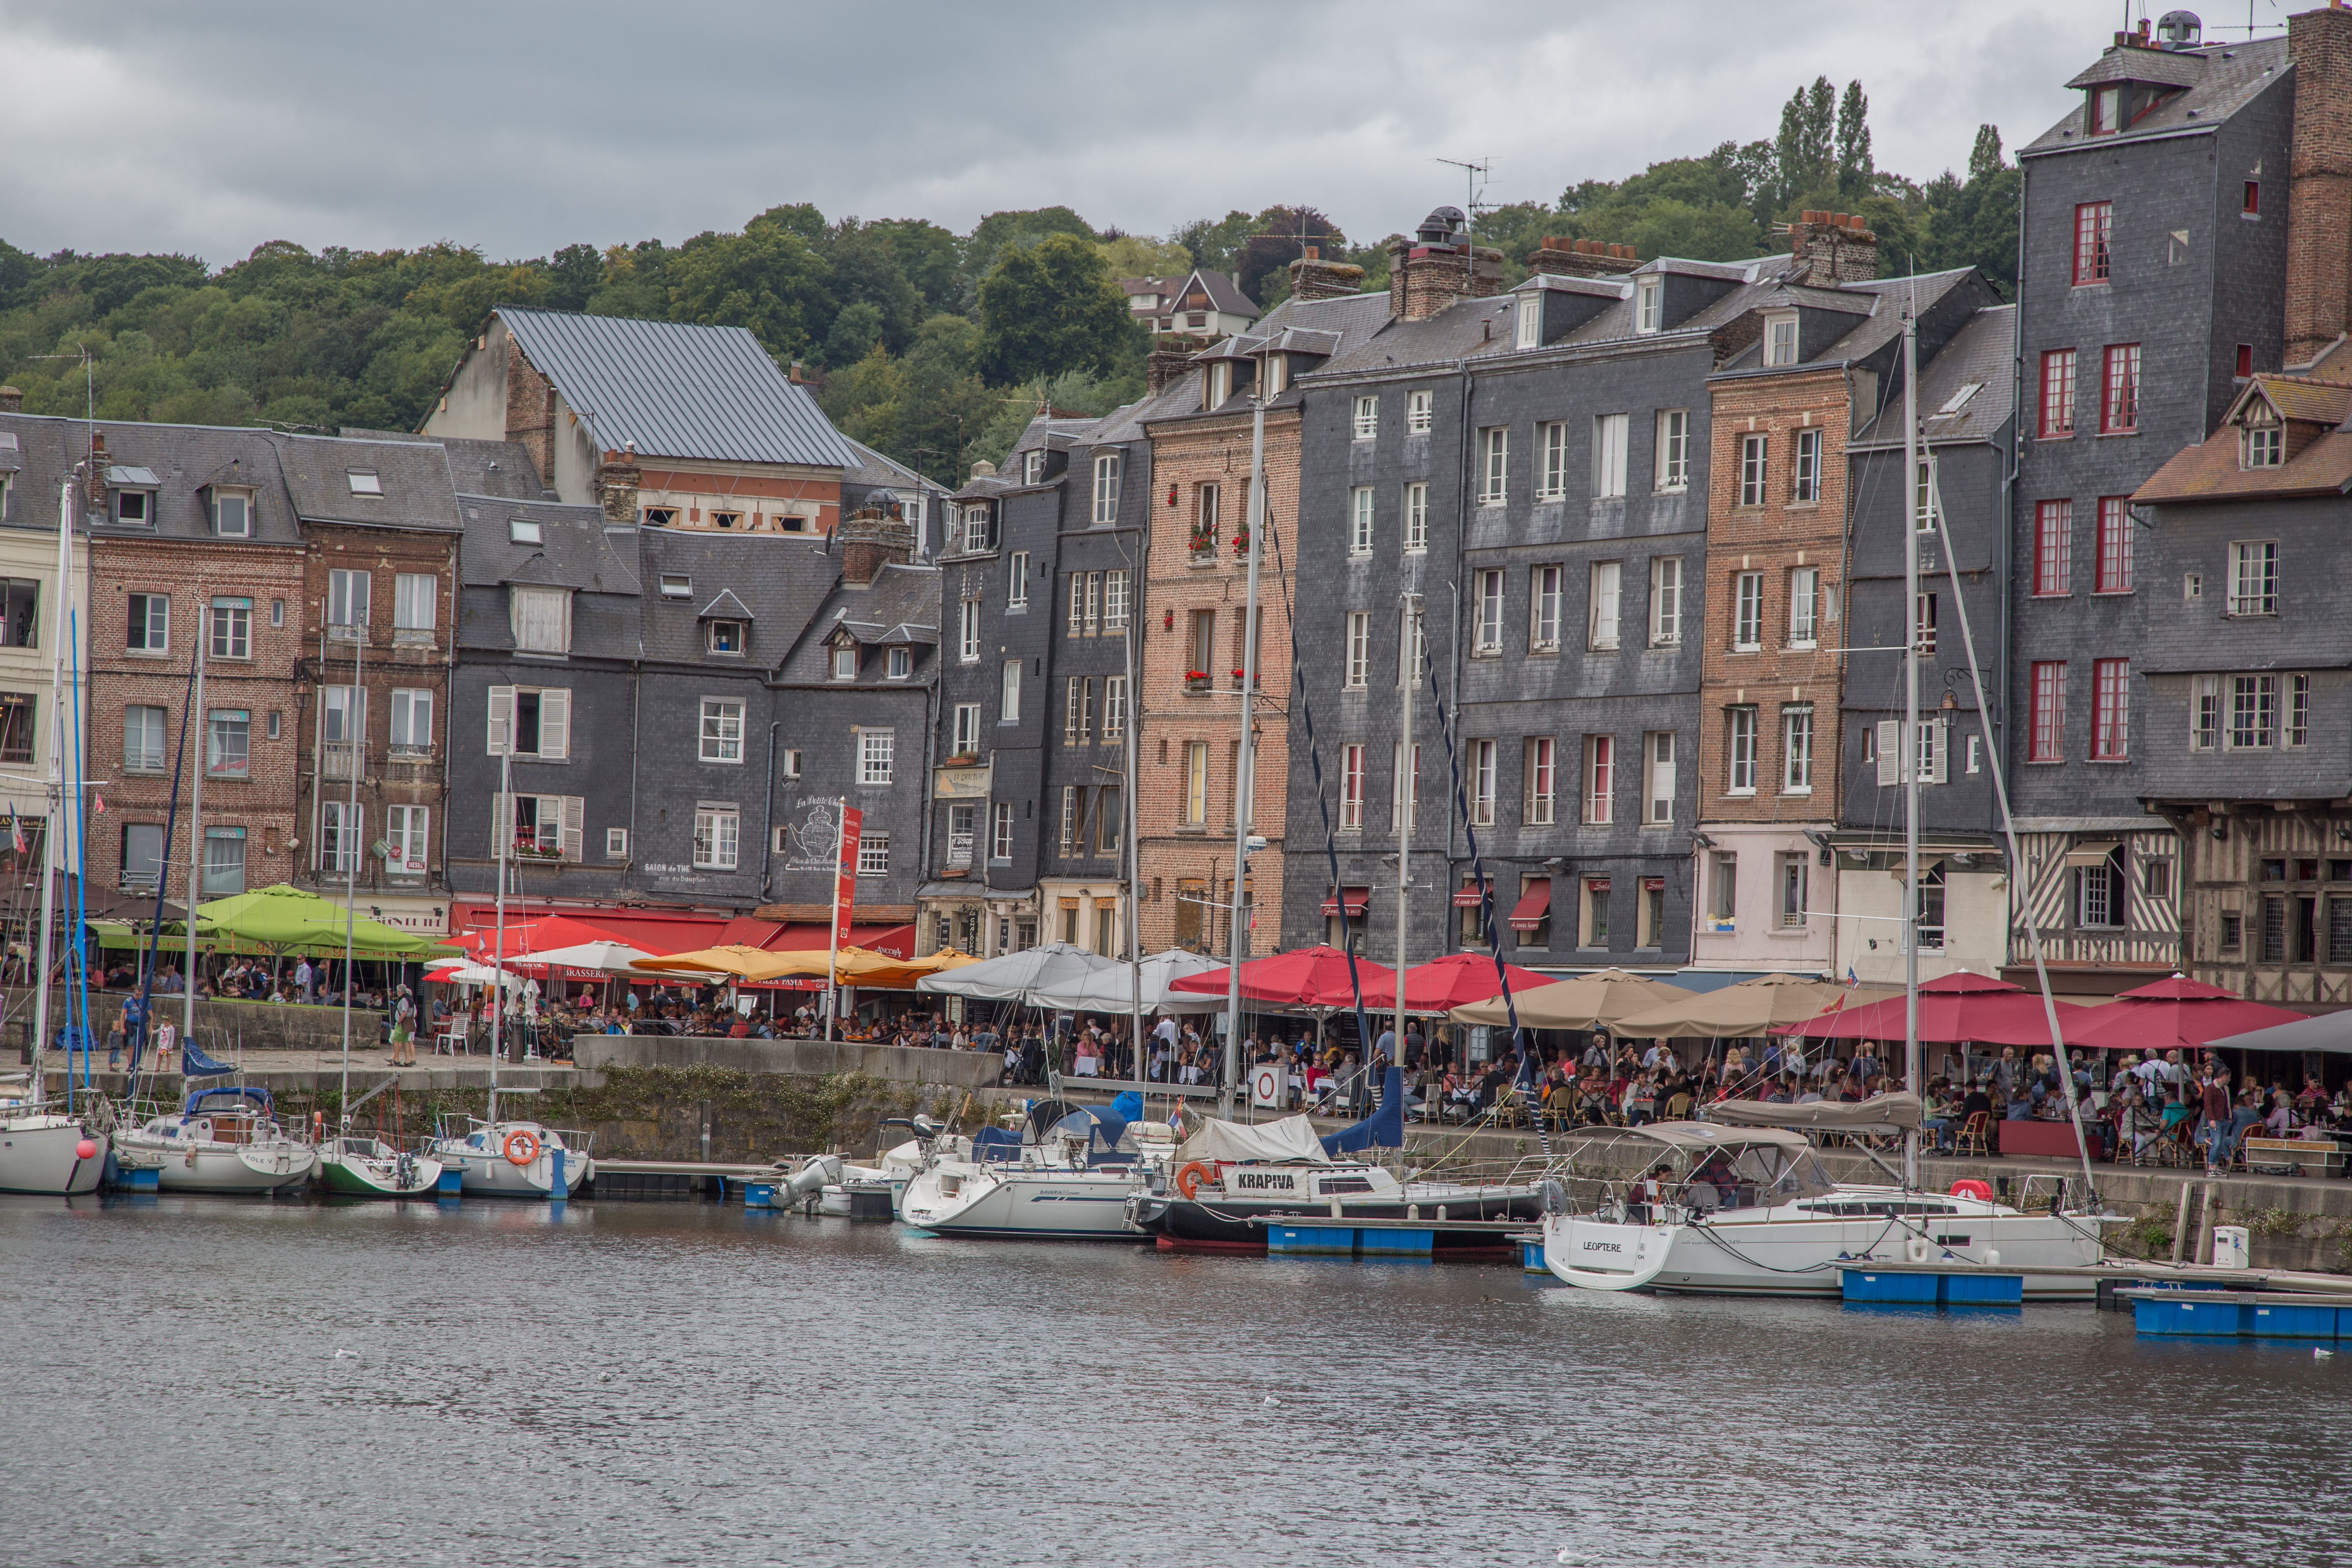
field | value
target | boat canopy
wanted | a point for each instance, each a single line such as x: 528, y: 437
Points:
x: 1292, y: 1138
x: 228, y: 1091
x: 1706, y: 1135
x: 1894, y: 1111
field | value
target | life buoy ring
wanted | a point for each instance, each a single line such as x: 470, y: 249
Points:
x: 530, y: 1141
x: 1189, y: 1179
x: 1970, y: 1187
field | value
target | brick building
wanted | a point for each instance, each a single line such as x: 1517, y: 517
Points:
x: 37, y: 458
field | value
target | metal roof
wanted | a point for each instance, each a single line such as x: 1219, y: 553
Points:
x: 673, y: 389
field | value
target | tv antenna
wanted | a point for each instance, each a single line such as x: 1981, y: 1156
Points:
x: 1476, y: 174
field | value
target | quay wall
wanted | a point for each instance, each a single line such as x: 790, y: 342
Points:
x: 220, y: 1026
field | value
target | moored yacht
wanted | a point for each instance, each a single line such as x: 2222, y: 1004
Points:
x: 371, y: 1168
x: 45, y: 1151
x: 514, y: 1159
x: 222, y: 1140
x: 1066, y: 1177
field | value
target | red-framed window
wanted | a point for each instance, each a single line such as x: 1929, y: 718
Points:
x: 2053, y: 549
x: 2245, y: 360
x: 2254, y: 198
x: 2115, y: 549
x: 2111, y: 717
x: 2049, y: 731
x: 2120, y: 390
x: 2057, y: 393
x: 2094, y: 223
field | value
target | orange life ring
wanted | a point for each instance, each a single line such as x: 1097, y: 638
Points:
x: 1189, y: 1179
x: 1970, y: 1187
x: 530, y: 1141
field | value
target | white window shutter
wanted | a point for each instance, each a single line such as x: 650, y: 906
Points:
x: 502, y: 822
x: 555, y: 724
x: 502, y: 700
x: 574, y: 835
x: 1939, y: 760
x: 1890, y: 751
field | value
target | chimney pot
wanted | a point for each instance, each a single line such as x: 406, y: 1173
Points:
x: 12, y: 401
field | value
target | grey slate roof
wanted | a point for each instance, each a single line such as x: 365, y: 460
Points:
x: 1981, y: 355
x: 1886, y: 325
x: 673, y: 389
x: 412, y: 476
x: 901, y: 605
x: 777, y: 585
x: 1352, y: 318
x: 573, y: 549
x: 183, y: 457
x: 2222, y: 80
x: 476, y: 467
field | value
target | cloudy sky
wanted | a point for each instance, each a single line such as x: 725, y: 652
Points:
x: 523, y: 125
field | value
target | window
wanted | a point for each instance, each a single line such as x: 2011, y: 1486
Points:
x: 1741, y: 773
x: 414, y: 597
x: 1404, y: 789
x: 976, y: 530
x: 1033, y: 466
x: 874, y: 753
x: 2106, y: 110
x: 1359, y: 520
x: 2095, y: 222
x: 2053, y: 549
x: 406, y: 838
x: 1648, y: 297
x: 1106, y: 488
x: 1110, y: 816
x: 1490, y: 612
x: 2049, y: 716
x: 143, y: 742
x: 1542, y: 780
x: 2119, y: 399
x: 2205, y: 713
x: 1804, y: 606
x: 1608, y: 580
x: 1204, y: 642
x: 2273, y: 930
x: 143, y: 856
x: 1420, y: 410
x: 523, y: 531
x: 1725, y: 901
x: 2099, y: 893
x: 339, y: 836
x: 1923, y: 623
x: 1367, y: 416
x: 1751, y: 470
x: 967, y: 730
x: 1923, y: 497
x: 659, y: 516
x: 1114, y: 608
x: 224, y: 862
x: 233, y: 518
x: 874, y: 854
x: 1672, y: 457
x: 1482, y: 784
x: 1494, y: 464
x: 729, y: 638
x: 1781, y: 339
x: 1017, y: 583
x: 1665, y: 601
x: 2262, y: 446
x: 1114, y: 713
x: 228, y: 743
x: 1351, y: 788
x: 788, y: 762
x: 1077, y: 710
x: 1611, y: 434
x: 1008, y: 694
x: 1792, y: 890
x: 135, y: 508
x: 151, y: 624
x: 1600, y: 780
x: 726, y: 518
x: 1417, y: 518
x: 1360, y: 649
x: 347, y: 598
x: 1658, y: 784
x: 722, y: 730
x: 2110, y: 709
x: 232, y: 635
x: 2057, y: 394
x: 1531, y: 322
x: 1746, y: 612
x: 540, y: 718
x: 2253, y: 711
x: 412, y: 722
x: 1797, y: 749
x: 2113, y: 570
x: 967, y: 641
x: 676, y: 585
x: 717, y: 835
x: 542, y: 619
x: 2254, y: 577
x: 1196, y: 784
x: 1000, y: 832
x: 2298, y: 711
x: 1805, y: 484
x: 2253, y: 200
x: 2245, y: 360
x: 1543, y: 599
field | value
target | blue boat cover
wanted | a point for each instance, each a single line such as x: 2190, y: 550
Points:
x: 1128, y: 1104
x: 238, y: 1091
x: 1384, y: 1129
x: 995, y: 1143
x: 193, y: 1063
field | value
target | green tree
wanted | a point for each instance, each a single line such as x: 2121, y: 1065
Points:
x: 857, y: 332
x: 863, y: 268
x: 1802, y: 154
x: 765, y: 278
x: 928, y: 255
x: 1136, y: 255
x: 1049, y: 308
x: 1000, y: 233
x: 1854, y: 170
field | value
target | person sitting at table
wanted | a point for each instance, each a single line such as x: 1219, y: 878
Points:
x: 1650, y: 1194
x: 1781, y: 1090
x: 1592, y: 1102
x: 1940, y: 1121
x: 1641, y: 1101
x: 2281, y: 1121
x: 2019, y: 1105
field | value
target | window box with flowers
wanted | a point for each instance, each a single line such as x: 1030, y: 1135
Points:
x: 1205, y: 541
x: 1196, y: 680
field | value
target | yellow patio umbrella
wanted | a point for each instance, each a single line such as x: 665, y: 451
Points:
x: 1749, y: 1008
x: 737, y: 959
x: 1594, y: 1001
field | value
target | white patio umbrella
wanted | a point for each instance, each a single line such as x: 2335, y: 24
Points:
x: 1108, y: 990
x: 475, y: 974
x: 608, y: 957
x: 1017, y: 977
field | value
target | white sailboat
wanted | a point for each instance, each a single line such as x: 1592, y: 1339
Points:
x: 224, y: 1139
x: 1067, y: 1177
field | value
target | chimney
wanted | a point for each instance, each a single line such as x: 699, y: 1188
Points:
x: 1312, y: 278
x: 617, y: 478
x: 1561, y: 257
x: 12, y: 401
x: 872, y: 539
x: 94, y: 486
x: 1485, y: 271
x: 1167, y: 360
x: 984, y: 469
x: 2319, y: 183
x: 1836, y: 249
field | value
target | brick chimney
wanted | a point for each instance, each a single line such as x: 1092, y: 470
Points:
x: 617, y: 478
x: 1836, y: 249
x: 2319, y: 183
x: 1561, y: 257
x: 12, y: 401
x: 872, y: 539
x: 1439, y: 266
x: 1167, y: 360
x: 1312, y: 278
x: 94, y: 483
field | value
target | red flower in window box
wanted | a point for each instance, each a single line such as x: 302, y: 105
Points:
x: 1196, y: 675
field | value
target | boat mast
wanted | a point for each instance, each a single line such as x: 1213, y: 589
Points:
x: 1408, y: 672
x: 1245, y: 761
x: 498, y: 906
x: 1917, y: 497
x: 1134, y: 868
x: 197, y: 715
x: 53, y: 803
x: 355, y: 735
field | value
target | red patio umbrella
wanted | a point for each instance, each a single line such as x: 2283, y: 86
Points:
x: 2173, y: 1014
x: 1454, y: 981
x: 1305, y: 977
x: 1952, y: 1008
x: 527, y: 936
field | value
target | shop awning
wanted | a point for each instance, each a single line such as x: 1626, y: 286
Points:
x: 1534, y: 906
x: 1467, y: 897
x: 2093, y: 851
x: 1357, y: 898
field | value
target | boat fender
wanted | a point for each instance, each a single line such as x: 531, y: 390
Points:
x: 521, y: 1146
x: 1970, y: 1187
x: 1915, y: 1249
x: 1189, y: 1179
x: 318, y: 1127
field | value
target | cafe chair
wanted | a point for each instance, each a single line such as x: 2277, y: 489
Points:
x: 1975, y: 1135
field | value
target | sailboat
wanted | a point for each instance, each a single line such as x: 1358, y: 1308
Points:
x: 41, y: 1150
x: 1747, y: 1209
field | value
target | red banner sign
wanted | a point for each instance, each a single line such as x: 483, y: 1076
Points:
x: 845, y: 895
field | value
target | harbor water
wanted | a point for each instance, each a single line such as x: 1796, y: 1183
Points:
x: 188, y: 1383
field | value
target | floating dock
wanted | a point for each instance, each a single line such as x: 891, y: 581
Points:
x: 2201, y: 1312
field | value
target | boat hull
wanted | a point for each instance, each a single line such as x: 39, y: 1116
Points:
x: 1240, y: 1226
x: 358, y: 1177
x: 484, y: 1171
x: 1057, y: 1206
x: 40, y: 1153
x: 186, y: 1166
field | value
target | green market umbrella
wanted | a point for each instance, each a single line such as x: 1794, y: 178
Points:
x: 287, y: 920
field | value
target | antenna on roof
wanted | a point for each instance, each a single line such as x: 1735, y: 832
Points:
x: 1475, y: 178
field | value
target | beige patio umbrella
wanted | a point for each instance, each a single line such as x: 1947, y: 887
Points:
x: 1751, y: 1007
x: 1594, y: 1001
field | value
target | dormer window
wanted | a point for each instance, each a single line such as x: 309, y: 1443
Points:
x: 2106, y: 110
x: 1217, y: 383
x: 1277, y: 373
x: 1106, y: 488
x: 364, y: 482
x: 676, y: 585
x: 1780, y: 339
x: 135, y: 508
x: 2118, y: 106
x: 975, y: 527
x: 2264, y: 446
x: 1033, y: 467
x: 1649, y: 304
x: 1531, y: 320
x: 902, y: 663
x: 521, y: 530
x: 728, y: 638
x: 845, y: 660
x: 233, y: 513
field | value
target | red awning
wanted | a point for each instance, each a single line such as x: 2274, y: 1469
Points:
x: 1357, y: 898
x: 1534, y: 906
x: 802, y: 936
x: 656, y: 931
x: 746, y: 930
x: 1467, y: 897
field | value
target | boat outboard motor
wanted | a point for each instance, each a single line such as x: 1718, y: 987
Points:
x: 815, y: 1172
